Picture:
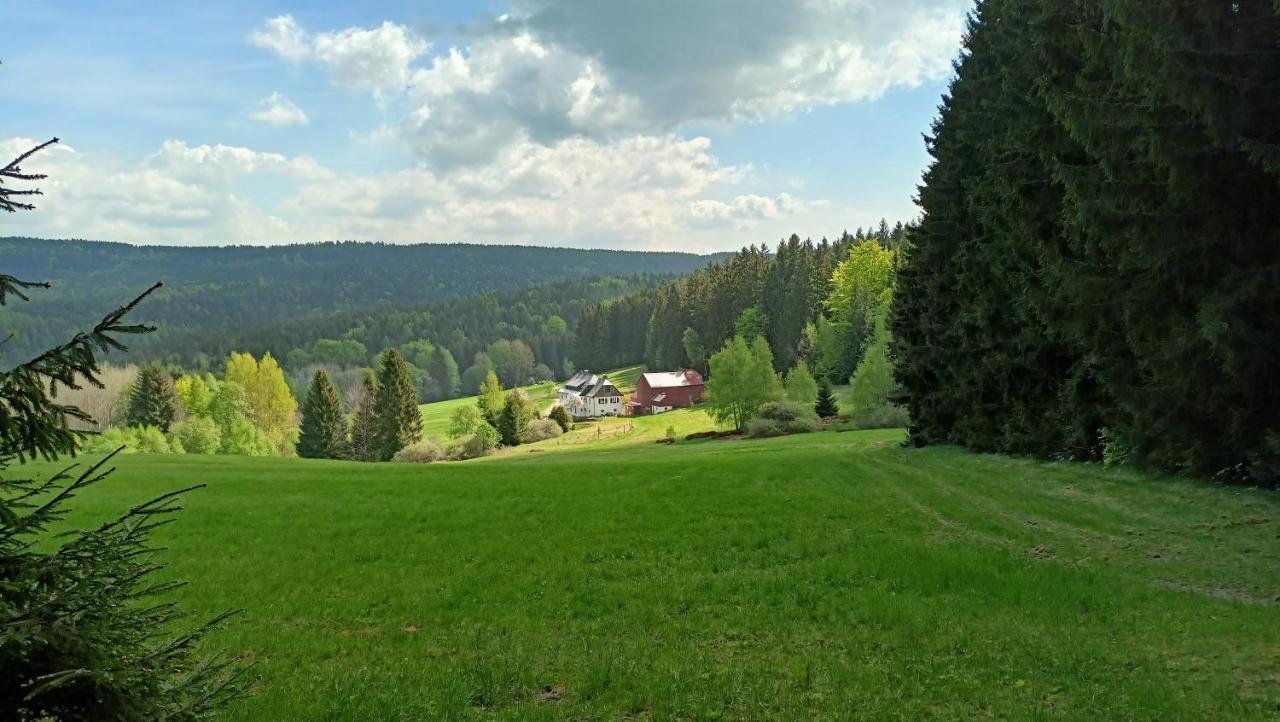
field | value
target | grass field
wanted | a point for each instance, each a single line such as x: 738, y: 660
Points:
x: 826, y: 576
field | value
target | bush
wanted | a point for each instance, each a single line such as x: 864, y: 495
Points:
x: 777, y: 418
x: 423, y: 452
x: 541, y: 430
x: 470, y: 447
x: 108, y: 441
x: 150, y: 440
x: 198, y: 435
x: 561, y: 416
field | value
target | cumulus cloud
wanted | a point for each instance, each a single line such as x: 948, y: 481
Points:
x: 376, y: 60
x: 655, y: 191
x: 556, y: 69
x: 278, y: 110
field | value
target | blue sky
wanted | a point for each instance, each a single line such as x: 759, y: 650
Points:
x: 670, y: 124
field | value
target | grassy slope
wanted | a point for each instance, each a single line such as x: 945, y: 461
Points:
x: 832, y: 576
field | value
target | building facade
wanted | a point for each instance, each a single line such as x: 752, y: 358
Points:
x: 588, y: 396
x: 662, y: 391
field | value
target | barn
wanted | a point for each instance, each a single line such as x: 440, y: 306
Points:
x: 666, y: 390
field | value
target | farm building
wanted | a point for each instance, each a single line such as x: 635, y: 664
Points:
x: 663, y: 391
x: 588, y: 396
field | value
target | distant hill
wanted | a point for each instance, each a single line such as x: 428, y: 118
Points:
x: 217, y: 288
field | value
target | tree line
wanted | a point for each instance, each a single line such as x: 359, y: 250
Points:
x: 798, y: 297
x: 1096, y: 274
x: 218, y: 291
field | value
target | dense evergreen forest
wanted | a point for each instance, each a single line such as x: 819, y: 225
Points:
x: 523, y: 335
x: 1097, y: 270
x: 212, y: 290
x: 785, y: 295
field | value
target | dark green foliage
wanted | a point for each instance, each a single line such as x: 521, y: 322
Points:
x: 85, y: 633
x: 1101, y: 238
x: 217, y: 298
x: 364, y: 421
x: 398, y: 423
x: 323, y: 432
x: 825, y: 406
x: 561, y: 417
x: 613, y: 333
x: 151, y: 400
x: 513, y: 421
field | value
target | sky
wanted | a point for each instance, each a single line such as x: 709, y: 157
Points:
x: 699, y: 125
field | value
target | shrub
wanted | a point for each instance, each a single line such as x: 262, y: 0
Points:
x: 198, y: 435
x: 776, y: 418
x: 561, y: 416
x: 423, y: 452
x: 671, y: 433
x: 541, y: 430
x: 150, y: 440
x: 107, y: 441
x: 470, y: 447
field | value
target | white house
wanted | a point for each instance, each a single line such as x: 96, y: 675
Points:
x: 588, y: 396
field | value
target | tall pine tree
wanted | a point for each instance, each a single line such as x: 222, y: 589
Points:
x: 324, y: 427
x: 151, y: 400
x: 399, y: 423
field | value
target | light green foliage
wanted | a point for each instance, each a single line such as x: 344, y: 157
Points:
x: 198, y: 435
x: 862, y: 282
x: 272, y: 407
x: 742, y: 378
x: 491, y: 399
x: 195, y: 392
x: 464, y: 421
x: 555, y: 324
x: 873, y: 383
x: 800, y: 386
x: 241, y: 438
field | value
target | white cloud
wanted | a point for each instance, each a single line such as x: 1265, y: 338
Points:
x: 278, y: 110
x: 649, y: 191
x: 375, y: 60
x: 557, y: 69
x: 283, y: 36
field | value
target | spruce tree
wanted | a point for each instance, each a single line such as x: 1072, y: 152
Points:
x: 399, y: 423
x: 151, y: 400
x: 514, y: 419
x: 89, y: 633
x: 324, y: 427
x: 825, y: 406
x: 364, y: 421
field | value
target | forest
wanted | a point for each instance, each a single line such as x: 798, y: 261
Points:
x: 1096, y: 273
x: 210, y: 291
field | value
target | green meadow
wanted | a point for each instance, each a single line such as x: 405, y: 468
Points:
x: 823, y: 576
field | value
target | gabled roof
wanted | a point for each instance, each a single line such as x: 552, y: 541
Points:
x: 581, y: 380
x: 602, y: 385
x: 672, y: 379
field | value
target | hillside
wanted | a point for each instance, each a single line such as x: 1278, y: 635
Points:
x: 209, y: 289
x: 824, y: 576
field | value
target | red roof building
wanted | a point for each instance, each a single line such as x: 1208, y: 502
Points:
x: 663, y: 391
